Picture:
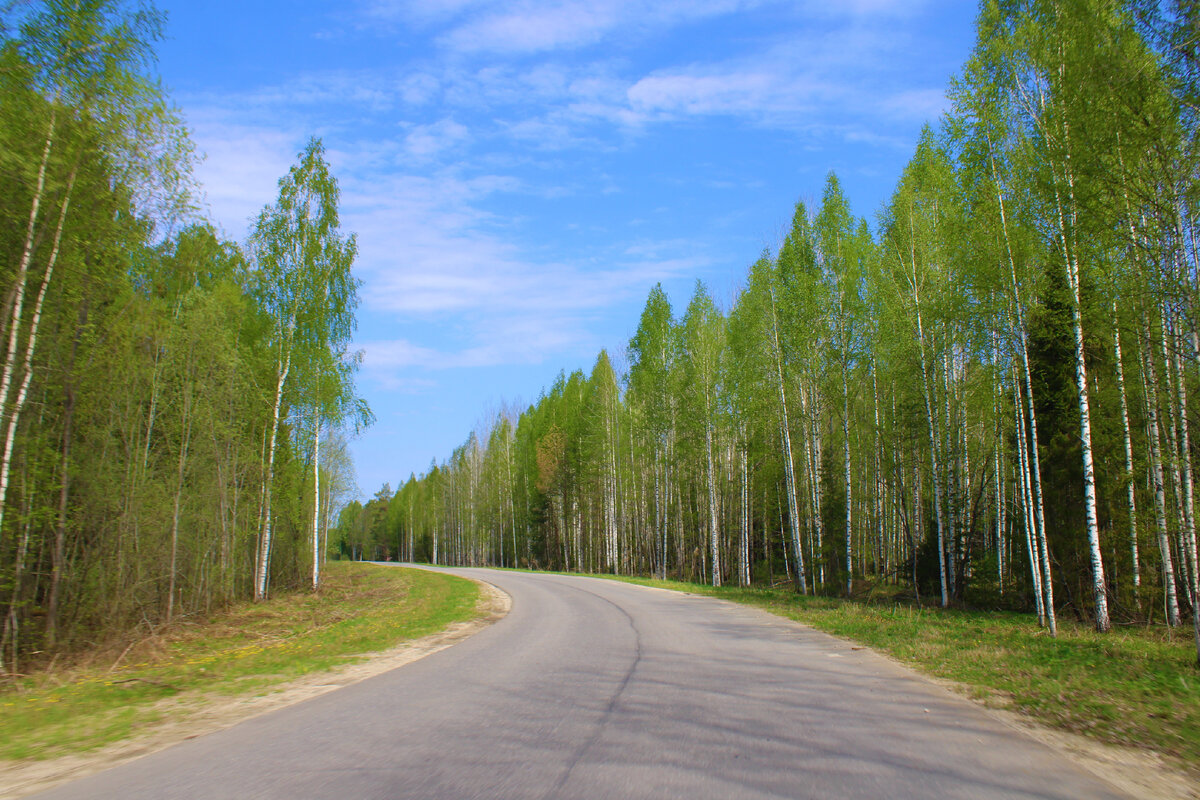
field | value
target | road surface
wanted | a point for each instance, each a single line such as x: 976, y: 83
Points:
x: 597, y: 689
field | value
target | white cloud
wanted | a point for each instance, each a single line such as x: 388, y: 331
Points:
x: 870, y: 9
x: 532, y: 26
x: 917, y: 105
x: 424, y: 151
x: 428, y: 141
x: 506, y: 341
x: 538, y: 26
x: 419, y: 11
x: 436, y: 256
x: 242, y: 166
x: 708, y: 93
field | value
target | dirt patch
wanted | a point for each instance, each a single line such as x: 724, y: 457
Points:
x: 193, y: 714
x: 1139, y: 773
x: 1135, y: 771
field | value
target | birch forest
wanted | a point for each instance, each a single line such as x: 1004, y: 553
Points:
x: 168, y: 395
x: 984, y: 395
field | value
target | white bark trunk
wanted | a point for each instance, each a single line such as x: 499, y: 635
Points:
x: 1189, y: 516
x: 1035, y: 479
x: 1170, y: 601
x: 18, y: 306
x: 18, y: 404
x: 262, y: 572
x: 789, y: 469
x: 1027, y: 505
x: 931, y: 419
x: 713, y: 526
x: 848, y: 482
x: 746, y: 517
x: 1030, y: 456
x: 183, y: 450
x: 1071, y: 264
x: 1131, y: 494
x: 316, y: 518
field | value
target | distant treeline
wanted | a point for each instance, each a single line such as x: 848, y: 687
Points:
x: 162, y: 389
x: 990, y: 397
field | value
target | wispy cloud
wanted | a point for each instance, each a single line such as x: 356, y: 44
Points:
x: 242, y: 166
x: 505, y: 27
x: 917, y: 104
x: 509, y: 341
x: 536, y: 26
x: 428, y: 141
x: 520, y: 172
x: 428, y: 150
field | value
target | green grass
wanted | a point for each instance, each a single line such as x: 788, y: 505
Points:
x: 1134, y: 686
x: 247, y: 650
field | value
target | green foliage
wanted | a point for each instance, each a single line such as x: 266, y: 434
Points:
x: 135, y: 359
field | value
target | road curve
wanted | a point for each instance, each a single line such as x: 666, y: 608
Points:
x: 597, y: 689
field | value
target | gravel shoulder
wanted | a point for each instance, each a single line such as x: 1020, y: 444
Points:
x: 194, y: 714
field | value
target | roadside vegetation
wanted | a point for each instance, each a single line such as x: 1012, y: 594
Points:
x: 113, y: 693
x: 175, y: 405
x: 1136, y: 685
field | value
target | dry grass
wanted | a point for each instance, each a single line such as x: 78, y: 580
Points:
x: 100, y: 697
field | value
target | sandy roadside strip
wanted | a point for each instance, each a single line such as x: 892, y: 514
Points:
x: 1140, y: 773
x: 1133, y: 770
x: 195, y: 715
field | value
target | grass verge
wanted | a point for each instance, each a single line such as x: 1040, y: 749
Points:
x: 1134, y: 686
x: 246, y: 650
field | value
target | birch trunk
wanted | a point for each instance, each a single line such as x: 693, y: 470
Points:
x: 512, y: 508
x: 931, y: 419
x: 1027, y: 504
x: 1030, y: 456
x: 789, y: 468
x: 18, y: 306
x: 1071, y: 264
x: 18, y: 403
x: 950, y: 467
x: 1035, y: 482
x: 1131, y: 494
x: 1189, y: 516
x: 316, y: 518
x: 878, y: 466
x: 660, y: 523
x: 1170, y: 601
x: 183, y: 450
x: 997, y: 467
x: 713, y: 527
x: 847, y: 477
x: 813, y: 464
x: 264, y: 540
x: 746, y: 517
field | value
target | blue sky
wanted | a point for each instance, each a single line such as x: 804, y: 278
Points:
x: 520, y: 174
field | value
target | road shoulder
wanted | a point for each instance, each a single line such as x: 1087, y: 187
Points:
x: 194, y: 714
x: 1134, y: 771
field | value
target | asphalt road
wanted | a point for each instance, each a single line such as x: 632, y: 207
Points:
x: 597, y: 689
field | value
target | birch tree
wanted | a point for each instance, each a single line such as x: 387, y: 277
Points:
x: 305, y: 286
x: 703, y: 331
x: 913, y: 245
